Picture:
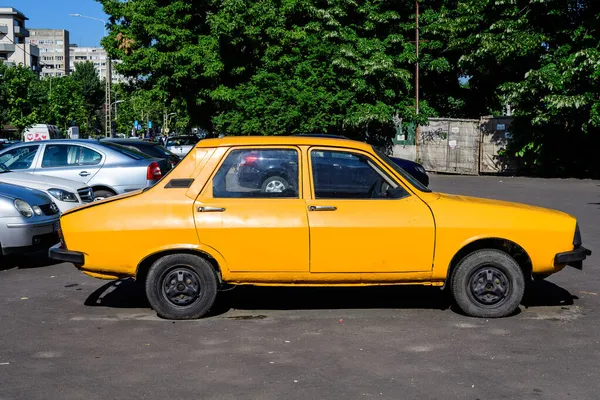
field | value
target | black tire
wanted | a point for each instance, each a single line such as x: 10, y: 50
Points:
x: 488, y: 284
x: 102, y: 194
x: 181, y: 286
x: 274, y: 182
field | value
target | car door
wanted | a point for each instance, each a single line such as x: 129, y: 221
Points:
x: 70, y: 161
x: 253, y: 229
x: 367, y: 222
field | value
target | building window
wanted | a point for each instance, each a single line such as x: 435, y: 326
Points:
x: 59, y: 58
x: 59, y: 42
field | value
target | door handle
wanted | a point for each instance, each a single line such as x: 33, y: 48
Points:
x: 322, y: 208
x: 84, y: 173
x: 211, y: 209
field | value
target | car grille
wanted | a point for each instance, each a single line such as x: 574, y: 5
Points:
x: 86, y: 195
x: 49, y: 209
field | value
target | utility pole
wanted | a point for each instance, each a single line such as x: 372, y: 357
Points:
x: 417, y: 128
x: 108, y: 116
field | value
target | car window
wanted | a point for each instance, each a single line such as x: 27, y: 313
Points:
x: 258, y: 173
x: 182, y: 141
x: 347, y: 175
x: 20, y: 157
x: 127, y: 150
x: 66, y: 155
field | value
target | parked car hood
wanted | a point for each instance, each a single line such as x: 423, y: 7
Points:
x: 42, y: 182
x: 31, y: 196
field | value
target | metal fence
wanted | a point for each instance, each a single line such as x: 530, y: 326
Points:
x: 460, y: 146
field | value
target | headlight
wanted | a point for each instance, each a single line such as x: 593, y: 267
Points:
x: 37, y: 210
x: 63, y: 195
x: 24, y: 208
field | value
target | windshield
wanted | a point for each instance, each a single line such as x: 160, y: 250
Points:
x: 414, y: 182
x: 127, y: 150
x: 182, y: 141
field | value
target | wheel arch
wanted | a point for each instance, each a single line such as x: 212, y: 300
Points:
x: 509, y: 247
x: 103, y: 187
x: 144, y: 266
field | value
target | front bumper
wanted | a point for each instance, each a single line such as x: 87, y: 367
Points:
x: 22, y: 237
x: 573, y: 258
x: 57, y: 253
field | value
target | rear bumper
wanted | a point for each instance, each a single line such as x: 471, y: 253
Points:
x: 573, y: 258
x: 64, y: 255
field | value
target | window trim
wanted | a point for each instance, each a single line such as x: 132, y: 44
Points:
x: 207, y: 191
x: 376, y: 162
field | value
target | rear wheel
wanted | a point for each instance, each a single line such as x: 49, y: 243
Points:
x: 102, y: 194
x: 181, y: 286
x: 488, y: 284
x: 275, y: 184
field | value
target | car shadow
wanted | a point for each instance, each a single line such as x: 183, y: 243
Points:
x: 28, y: 261
x: 126, y: 293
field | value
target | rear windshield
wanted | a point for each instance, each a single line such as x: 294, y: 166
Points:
x: 154, y: 150
x: 127, y: 150
x: 182, y: 141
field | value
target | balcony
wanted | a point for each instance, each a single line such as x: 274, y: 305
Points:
x: 7, y: 47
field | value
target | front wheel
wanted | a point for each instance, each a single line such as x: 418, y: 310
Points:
x: 488, y: 284
x: 181, y: 286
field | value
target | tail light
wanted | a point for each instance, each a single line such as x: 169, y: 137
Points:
x: 249, y: 158
x: 154, y: 171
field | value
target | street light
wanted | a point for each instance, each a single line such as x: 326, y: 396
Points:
x: 167, y: 120
x: 115, y: 104
x: 108, y: 79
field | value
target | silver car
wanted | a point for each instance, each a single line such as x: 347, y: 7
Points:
x: 29, y: 220
x: 108, y: 168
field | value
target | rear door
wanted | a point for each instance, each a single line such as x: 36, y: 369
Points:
x: 253, y: 229
x: 70, y: 161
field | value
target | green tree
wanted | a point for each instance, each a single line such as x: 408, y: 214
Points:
x: 274, y: 67
x: 91, y: 88
x: 23, y: 97
x: 65, y: 103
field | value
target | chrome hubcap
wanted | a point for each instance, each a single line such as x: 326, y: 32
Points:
x: 275, y: 187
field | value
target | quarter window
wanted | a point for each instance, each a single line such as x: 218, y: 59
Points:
x: 258, y: 173
x: 60, y: 155
x: 345, y: 175
x: 19, y: 158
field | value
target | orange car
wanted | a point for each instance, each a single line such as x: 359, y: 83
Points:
x: 312, y: 211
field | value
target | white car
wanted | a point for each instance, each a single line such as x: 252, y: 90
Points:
x: 181, y: 145
x: 65, y: 192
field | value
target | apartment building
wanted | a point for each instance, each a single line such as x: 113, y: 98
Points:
x: 96, y: 55
x: 13, y: 48
x: 53, y: 47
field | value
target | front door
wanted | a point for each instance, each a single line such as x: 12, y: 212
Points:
x: 252, y: 211
x: 361, y: 220
x: 70, y: 161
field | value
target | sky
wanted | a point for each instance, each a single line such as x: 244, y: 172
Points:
x: 54, y: 14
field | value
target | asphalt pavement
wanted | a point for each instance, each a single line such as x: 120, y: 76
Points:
x: 64, y: 335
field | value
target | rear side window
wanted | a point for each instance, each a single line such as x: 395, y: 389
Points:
x: 61, y: 155
x: 258, y: 173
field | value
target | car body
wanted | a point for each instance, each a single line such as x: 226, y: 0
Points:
x: 25, y: 234
x: 65, y: 193
x: 107, y: 168
x: 379, y: 225
x: 153, y: 149
x: 181, y: 145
